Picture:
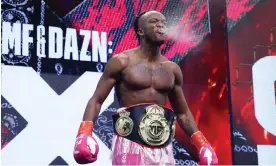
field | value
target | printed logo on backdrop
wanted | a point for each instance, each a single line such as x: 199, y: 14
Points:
x: 64, y: 52
x: 19, y: 12
x: 59, y: 54
x: 12, y: 122
x: 244, y: 148
x: 242, y: 144
x: 17, y: 37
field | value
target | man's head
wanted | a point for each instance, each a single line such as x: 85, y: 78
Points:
x: 150, y: 26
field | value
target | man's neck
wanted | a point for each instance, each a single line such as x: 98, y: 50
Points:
x: 150, y: 51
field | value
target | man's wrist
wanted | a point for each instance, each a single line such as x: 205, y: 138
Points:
x: 86, y: 127
x: 198, y: 139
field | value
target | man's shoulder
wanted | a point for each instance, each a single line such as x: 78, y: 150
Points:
x: 123, y: 57
x: 125, y: 54
x: 175, y: 68
x: 171, y: 64
x: 130, y: 51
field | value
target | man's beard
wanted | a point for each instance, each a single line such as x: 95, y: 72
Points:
x: 155, y: 42
x: 160, y: 42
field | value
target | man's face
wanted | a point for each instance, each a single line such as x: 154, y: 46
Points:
x: 153, y: 26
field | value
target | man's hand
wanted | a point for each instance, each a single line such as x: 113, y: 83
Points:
x: 86, y: 147
x: 207, y: 155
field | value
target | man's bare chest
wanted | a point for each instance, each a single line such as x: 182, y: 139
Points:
x: 143, y: 75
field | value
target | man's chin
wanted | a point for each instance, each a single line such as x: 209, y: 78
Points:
x: 159, y: 42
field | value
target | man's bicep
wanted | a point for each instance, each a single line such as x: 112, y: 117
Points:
x: 177, y: 100
x: 112, y: 73
x: 176, y: 97
x: 108, y: 79
x: 103, y: 88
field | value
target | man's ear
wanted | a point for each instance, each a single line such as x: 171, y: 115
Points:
x: 140, y: 32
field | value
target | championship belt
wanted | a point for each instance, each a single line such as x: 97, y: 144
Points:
x: 147, y: 124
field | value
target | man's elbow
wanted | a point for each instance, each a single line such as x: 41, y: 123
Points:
x: 182, y: 114
x: 96, y: 101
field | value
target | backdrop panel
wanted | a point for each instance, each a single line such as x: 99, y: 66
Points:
x: 46, y: 89
x: 252, y: 50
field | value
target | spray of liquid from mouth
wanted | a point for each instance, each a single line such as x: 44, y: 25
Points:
x: 179, y: 33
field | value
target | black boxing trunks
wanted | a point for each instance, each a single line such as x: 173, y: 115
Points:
x: 147, y: 124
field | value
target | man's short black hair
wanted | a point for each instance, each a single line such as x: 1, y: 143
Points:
x: 136, y: 21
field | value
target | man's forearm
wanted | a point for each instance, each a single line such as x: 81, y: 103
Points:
x: 187, y: 123
x: 92, y: 110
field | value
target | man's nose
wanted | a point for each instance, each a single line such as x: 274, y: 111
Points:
x: 160, y: 24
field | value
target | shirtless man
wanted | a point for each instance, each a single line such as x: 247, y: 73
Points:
x: 143, y: 127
